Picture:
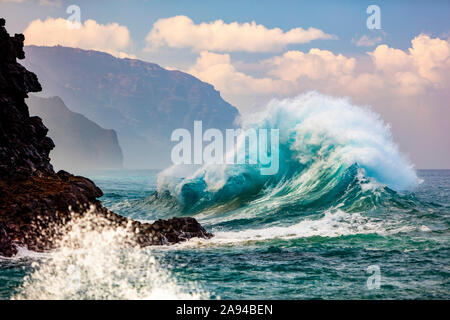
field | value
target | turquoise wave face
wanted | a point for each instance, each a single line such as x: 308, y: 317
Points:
x: 332, y: 155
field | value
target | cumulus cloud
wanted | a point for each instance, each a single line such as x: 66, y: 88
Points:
x: 316, y: 64
x: 366, y: 41
x: 424, y: 66
x: 217, y: 69
x: 239, y: 88
x: 56, y: 3
x: 389, y: 59
x: 182, y: 32
x: 111, y: 38
x: 431, y: 57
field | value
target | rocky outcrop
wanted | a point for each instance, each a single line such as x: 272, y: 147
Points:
x: 81, y: 144
x: 35, y: 202
x: 24, y: 147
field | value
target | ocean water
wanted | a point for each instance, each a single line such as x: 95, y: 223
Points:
x: 325, y: 257
x: 346, y: 217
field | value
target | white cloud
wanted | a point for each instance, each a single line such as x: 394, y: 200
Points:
x: 431, y: 57
x: 239, y: 88
x: 217, y: 69
x: 56, y: 3
x: 111, y: 38
x: 394, y: 72
x: 388, y: 59
x: 425, y: 65
x: 316, y: 64
x: 182, y: 32
x: 365, y: 41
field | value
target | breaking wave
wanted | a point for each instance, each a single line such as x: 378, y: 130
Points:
x: 332, y: 155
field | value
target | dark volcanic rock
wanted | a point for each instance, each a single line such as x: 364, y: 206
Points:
x: 7, y: 247
x: 24, y: 146
x: 36, y: 202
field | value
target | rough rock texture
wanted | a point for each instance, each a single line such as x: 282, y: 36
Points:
x: 35, y: 202
x: 24, y: 146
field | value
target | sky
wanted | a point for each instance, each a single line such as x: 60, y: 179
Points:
x: 253, y: 51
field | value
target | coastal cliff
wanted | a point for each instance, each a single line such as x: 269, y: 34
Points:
x: 141, y: 101
x: 81, y: 144
x: 36, y: 201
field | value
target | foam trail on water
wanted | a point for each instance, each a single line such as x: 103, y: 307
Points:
x: 100, y: 264
x: 330, y: 224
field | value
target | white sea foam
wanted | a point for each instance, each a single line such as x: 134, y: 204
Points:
x: 100, y: 264
x: 330, y: 224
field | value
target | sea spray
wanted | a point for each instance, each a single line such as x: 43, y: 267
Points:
x: 93, y: 263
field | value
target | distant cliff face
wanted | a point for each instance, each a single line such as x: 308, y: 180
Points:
x: 143, y: 102
x: 80, y: 143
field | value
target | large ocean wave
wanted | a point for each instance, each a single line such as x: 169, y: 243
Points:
x: 332, y: 153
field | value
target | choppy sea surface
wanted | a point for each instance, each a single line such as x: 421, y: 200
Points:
x: 345, y: 217
x: 323, y: 255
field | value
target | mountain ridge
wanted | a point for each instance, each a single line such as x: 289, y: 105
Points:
x: 142, y: 101
x: 81, y: 144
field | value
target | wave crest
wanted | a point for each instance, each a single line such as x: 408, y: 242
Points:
x: 326, y: 145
